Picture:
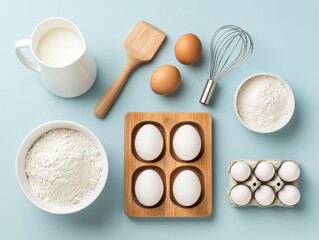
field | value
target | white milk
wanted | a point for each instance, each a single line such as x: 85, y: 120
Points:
x: 59, y: 47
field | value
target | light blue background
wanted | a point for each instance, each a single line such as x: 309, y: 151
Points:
x: 286, y: 37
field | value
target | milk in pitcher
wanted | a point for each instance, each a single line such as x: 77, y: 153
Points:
x: 59, y: 47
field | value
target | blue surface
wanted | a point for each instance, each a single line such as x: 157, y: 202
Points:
x: 286, y: 40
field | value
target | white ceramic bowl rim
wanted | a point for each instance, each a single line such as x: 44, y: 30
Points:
x: 24, y: 183
x: 291, y: 95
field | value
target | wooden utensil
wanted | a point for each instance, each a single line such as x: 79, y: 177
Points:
x: 167, y: 165
x: 141, y: 46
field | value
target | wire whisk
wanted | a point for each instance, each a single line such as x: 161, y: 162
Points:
x: 230, y: 47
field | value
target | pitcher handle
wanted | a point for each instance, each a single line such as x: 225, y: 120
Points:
x: 24, y: 43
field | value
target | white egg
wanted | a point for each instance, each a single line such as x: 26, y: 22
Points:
x: 187, y: 142
x: 264, y: 171
x: 289, y: 171
x: 148, y: 142
x: 289, y: 195
x: 240, y: 171
x: 240, y: 195
x: 187, y: 188
x: 265, y: 195
x: 149, y: 188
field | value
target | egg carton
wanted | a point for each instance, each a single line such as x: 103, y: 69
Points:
x: 167, y: 164
x: 276, y: 183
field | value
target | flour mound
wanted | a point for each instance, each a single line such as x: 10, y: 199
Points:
x: 63, y: 167
x: 263, y: 103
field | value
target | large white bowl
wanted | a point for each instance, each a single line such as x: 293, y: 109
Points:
x: 24, y: 182
x: 290, y: 95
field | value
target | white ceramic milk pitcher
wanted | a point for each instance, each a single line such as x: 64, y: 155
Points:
x: 65, y: 67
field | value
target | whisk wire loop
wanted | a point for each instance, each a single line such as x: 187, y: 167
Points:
x: 226, y: 42
x: 230, y: 47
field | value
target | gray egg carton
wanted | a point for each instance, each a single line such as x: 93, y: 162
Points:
x: 276, y: 183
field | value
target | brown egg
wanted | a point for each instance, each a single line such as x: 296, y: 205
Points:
x: 188, y: 49
x: 165, y: 80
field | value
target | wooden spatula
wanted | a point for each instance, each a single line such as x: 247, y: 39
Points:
x: 141, y: 46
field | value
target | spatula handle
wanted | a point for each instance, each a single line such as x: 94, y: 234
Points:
x: 114, y: 90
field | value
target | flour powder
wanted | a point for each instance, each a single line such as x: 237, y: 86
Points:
x: 263, y: 103
x: 63, y: 166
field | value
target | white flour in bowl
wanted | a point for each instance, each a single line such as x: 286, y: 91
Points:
x: 63, y: 167
x: 264, y: 103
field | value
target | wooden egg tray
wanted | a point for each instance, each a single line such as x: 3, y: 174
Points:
x: 167, y: 165
x: 276, y: 183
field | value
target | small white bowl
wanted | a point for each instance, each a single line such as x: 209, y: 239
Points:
x: 291, y: 98
x: 24, y: 182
